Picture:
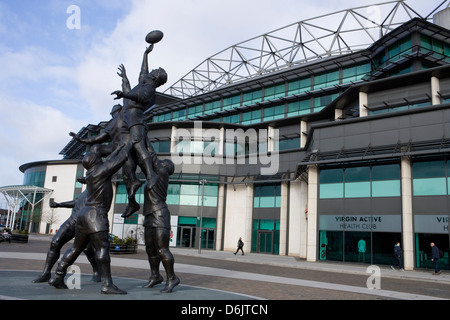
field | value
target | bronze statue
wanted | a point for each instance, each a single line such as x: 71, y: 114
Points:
x: 157, y: 226
x: 137, y: 100
x: 64, y: 234
x: 92, y: 223
x: 117, y: 133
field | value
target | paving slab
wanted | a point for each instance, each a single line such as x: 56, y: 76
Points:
x: 17, y: 285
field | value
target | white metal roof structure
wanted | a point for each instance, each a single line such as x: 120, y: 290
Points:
x: 17, y: 196
x: 300, y: 43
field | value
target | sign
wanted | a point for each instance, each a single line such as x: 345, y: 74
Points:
x: 173, y: 231
x: 375, y: 223
x: 431, y: 224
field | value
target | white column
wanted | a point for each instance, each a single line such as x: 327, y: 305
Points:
x: 298, y: 224
x: 221, y: 151
x: 173, y: 140
x: 435, y: 87
x: 363, y: 101
x: 219, y: 220
x: 407, y: 214
x: 311, y: 246
x: 248, y: 216
x: 303, y: 133
x: 283, y: 218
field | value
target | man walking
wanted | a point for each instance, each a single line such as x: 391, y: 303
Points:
x: 240, y: 246
x: 398, y: 255
x: 435, y: 256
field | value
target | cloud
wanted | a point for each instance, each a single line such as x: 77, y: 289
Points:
x: 29, y: 133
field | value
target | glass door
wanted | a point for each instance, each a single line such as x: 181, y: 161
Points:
x: 265, y: 242
x: 187, y: 237
x: 208, y: 238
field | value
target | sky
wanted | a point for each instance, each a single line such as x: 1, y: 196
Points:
x: 59, y: 58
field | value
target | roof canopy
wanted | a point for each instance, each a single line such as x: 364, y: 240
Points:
x: 303, y: 42
x: 16, y: 196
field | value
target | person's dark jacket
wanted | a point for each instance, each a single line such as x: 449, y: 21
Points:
x: 434, y: 252
x: 398, y: 252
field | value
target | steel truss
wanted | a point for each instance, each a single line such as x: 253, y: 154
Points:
x: 300, y: 43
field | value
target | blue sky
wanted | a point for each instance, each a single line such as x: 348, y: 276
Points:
x: 55, y: 80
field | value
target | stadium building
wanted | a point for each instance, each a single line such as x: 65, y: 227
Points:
x: 328, y: 139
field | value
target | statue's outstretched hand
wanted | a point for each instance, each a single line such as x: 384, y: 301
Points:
x: 123, y: 71
x: 149, y: 49
x: 74, y: 135
x: 118, y: 93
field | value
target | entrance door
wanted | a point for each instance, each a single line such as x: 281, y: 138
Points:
x: 208, y: 238
x: 187, y: 237
x: 265, y: 242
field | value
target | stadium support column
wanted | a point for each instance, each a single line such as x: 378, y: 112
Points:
x: 284, y: 218
x: 311, y: 239
x: 407, y: 215
x: 173, y: 140
x: 248, y: 216
x: 435, y: 87
x: 303, y: 133
x: 363, y: 102
x: 220, y: 211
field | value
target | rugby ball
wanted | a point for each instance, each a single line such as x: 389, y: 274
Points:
x: 154, y: 36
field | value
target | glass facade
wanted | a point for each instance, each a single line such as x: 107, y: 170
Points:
x: 367, y: 237
x: 360, y: 182
x: 300, y: 87
x: 266, y: 232
x: 431, y: 223
x: 32, y: 177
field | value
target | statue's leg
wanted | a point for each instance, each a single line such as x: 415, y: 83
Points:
x: 101, y: 244
x: 132, y: 184
x: 153, y: 258
x: 168, y: 261
x: 143, y: 155
x: 68, y: 259
x: 65, y: 233
x: 90, y: 254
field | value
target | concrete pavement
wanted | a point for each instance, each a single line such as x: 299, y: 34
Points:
x: 197, y: 267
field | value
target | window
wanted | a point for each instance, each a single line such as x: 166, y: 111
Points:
x: 386, y: 181
x: 235, y: 118
x: 274, y: 92
x: 299, y: 108
x: 430, y: 178
x: 211, y: 107
x: 299, y: 86
x: 251, y: 117
x: 179, y: 115
x: 54, y: 178
x: 325, y: 80
x: 274, y: 113
x: 323, y: 101
x: 195, y: 111
x: 232, y: 102
x: 252, y: 97
x: 191, y: 194
x: 355, y: 73
x: 161, y: 146
x: 360, y: 182
x: 287, y: 144
x: 162, y: 117
x: 331, y: 183
x: 267, y: 196
x: 122, y: 195
x: 34, y: 177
